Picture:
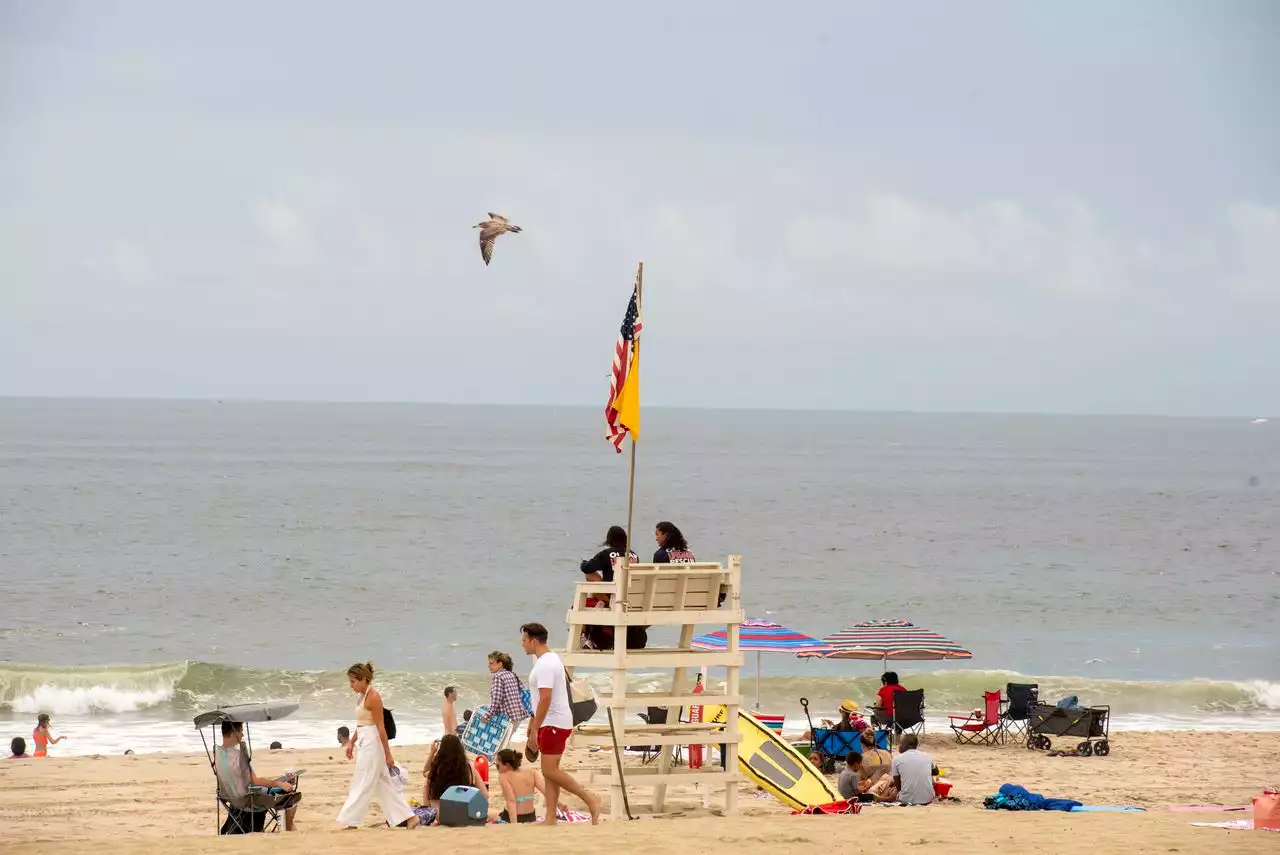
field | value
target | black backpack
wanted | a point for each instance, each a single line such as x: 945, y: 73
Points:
x: 389, y: 723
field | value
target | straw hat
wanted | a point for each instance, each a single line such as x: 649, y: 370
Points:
x: 849, y: 706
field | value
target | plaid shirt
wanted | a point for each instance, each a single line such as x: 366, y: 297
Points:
x: 504, y: 695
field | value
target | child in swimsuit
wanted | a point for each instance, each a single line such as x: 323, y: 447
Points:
x: 520, y: 787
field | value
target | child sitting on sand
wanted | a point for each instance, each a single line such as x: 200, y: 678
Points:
x: 520, y: 787
x: 850, y: 781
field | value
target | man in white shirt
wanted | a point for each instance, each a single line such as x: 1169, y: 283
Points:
x: 552, y: 720
x: 913, y: 772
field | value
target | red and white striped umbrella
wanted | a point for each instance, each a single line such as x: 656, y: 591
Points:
x: 889, y: 639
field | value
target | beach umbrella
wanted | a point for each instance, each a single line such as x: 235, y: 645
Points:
x: 889, y: 639
x: 763, y: 636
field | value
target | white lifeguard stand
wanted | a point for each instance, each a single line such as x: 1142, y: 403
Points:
x: 660, y: 595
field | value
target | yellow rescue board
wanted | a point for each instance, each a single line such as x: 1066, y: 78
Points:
x: 775, y: 766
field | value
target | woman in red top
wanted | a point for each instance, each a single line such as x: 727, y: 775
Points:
x: 882, y: 711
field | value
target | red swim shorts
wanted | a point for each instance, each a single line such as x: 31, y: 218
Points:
x: 552, y: 740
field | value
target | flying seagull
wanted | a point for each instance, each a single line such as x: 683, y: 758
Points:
x: 489, y: 231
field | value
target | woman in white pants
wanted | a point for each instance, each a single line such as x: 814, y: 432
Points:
x: 372, y: 778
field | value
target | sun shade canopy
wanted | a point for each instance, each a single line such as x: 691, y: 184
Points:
x: 265, y: 711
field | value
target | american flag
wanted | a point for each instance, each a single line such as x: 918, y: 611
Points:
x: 627, y: 335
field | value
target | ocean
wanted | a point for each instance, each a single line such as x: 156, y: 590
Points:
x: 163, y: 557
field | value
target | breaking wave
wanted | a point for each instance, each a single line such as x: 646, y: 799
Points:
x: 184, y: 688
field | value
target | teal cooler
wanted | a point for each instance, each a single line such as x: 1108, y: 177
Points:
x: 460, y: 806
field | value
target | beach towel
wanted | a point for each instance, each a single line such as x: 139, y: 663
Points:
x: 1201, y: 808
x: 1234, y: 825
x: 1014, y: 797
x: 843, y: 806
x: 563, y: 815
x: 1107, y: 809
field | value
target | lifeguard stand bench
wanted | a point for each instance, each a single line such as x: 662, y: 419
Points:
x: 662, y: 595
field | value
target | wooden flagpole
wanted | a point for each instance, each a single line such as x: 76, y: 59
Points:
x: 631, y: 491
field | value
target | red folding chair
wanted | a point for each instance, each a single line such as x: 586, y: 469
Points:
x: 981, y: 729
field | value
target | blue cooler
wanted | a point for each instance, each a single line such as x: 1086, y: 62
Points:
x: 463, y: 806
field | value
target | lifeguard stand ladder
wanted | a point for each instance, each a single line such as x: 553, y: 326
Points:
x: 657, y: 596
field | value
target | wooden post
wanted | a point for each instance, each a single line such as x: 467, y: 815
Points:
x: 732, y: 688
x: 618, y: 807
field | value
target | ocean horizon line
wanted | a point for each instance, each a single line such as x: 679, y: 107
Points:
x: 407, y: 403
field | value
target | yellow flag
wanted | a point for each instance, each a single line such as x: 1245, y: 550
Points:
x: 628, y: 401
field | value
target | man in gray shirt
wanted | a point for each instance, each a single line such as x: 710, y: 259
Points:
x: 913, y: 772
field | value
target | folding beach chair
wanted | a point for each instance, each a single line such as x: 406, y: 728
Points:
x: 649, y: 753
x: 261, y: 809
x: 261, y: 814
x: 1022, y: 696
x: 984, y: 729
x: 908, y: 711
x: 485, y: 737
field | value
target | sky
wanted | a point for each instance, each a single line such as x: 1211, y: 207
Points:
x: 931, y: 206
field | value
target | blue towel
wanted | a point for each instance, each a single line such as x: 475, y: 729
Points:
x: 1014, y: 797
x: 1107, y: 808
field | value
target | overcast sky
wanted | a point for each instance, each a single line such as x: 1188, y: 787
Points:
x: 1058, y: 207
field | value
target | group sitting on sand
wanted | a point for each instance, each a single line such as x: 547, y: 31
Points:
x: 906, y: 778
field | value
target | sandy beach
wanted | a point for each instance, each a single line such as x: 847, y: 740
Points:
x: 163, y: 804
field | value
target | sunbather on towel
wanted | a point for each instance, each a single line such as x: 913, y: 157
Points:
x: 235, y: 775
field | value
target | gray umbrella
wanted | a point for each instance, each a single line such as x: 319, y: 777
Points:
x: 264, y: 711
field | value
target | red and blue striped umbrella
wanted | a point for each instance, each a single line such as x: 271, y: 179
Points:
x: 889, y: 639
x: 763, y: 636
